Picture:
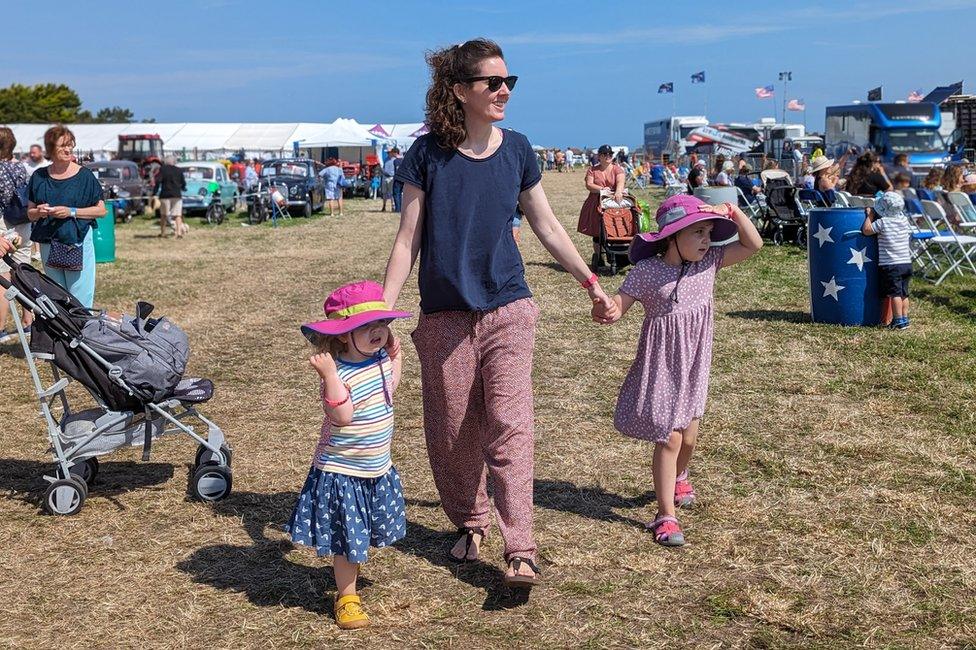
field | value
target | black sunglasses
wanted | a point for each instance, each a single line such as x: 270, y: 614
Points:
x: 495, y: 82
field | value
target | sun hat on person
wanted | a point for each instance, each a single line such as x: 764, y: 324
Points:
x: 889, y: 204
x: 350, y: 306
x: 677, y: 212
x: 820, y: 163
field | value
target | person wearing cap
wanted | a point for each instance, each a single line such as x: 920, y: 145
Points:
x: 894, y: 232
x: 352, y: 498
x: 605, y: 177
x: 662, y: 399
x: 476, y: 331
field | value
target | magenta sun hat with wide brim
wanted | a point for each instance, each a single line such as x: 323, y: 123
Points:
x: 350, y: 306
x: 678, y: 212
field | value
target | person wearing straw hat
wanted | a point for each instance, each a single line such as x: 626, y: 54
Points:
x: 825, y: 177
x: 352, y: 498
x: 662, y: 400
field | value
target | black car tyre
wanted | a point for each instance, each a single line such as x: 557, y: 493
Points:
x: 307, y: 210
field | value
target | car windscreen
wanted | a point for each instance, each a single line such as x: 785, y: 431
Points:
x: 915, y: 140
x: 198, y: 173
x: 107, y: 172
x: 284, y: 169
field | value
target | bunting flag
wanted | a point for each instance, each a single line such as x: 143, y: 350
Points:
x: 764, y: 92
x: 698, y: 77
x: 423, y: 130
x: 666, y: 87
x: 874, y: 95
x: 915, y: 96
x: 379, y: 131
x: 796, y: 105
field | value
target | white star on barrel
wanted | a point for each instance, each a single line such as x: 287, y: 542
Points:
x: 832, y: 288
x: 859, y: 257
x: 823, y: 234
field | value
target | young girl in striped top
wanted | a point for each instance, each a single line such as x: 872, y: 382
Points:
x: 352, y: 498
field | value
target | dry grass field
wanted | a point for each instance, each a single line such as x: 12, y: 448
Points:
x: 836, y: 473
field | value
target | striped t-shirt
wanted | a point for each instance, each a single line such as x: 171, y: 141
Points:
x: 361, y: 448
x: 894, y: 238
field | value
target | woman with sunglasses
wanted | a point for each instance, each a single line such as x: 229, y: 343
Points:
x: 462, y: 183
x: 604, y: 175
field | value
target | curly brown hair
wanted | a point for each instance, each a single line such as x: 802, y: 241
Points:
x: 952, y: 178
x: 859, y: 172
x: 55, y: 133
x: 7, y: 143
x: 444, y: 113
x: 933, y: 179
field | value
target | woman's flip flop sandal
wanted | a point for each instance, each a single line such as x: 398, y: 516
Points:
x: 667, y: 532
x: 523, y: 581
x: 469, y: 534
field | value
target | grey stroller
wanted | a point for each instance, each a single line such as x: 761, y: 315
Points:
x: 131, y: 367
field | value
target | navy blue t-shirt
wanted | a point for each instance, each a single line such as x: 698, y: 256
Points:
x: 468, y: 257
x: 80, y: 191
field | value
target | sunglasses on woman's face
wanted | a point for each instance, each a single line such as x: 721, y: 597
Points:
x: 495, y: 82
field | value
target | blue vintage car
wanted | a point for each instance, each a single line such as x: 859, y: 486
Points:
x: 201, y: 178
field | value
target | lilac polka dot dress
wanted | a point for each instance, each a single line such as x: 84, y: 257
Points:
x: 668, y: 381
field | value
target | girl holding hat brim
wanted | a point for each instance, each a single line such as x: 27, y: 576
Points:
x: 352, y: 498
x: 476, y: 333
x: 662, y: 399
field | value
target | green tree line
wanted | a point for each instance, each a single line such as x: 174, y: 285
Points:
x: 47, y: 103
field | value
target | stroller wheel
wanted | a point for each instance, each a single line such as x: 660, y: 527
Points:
x: 211, y: 482
x: 801, y: 236
x: 65, y: 497
x: 778, y: 237
x: 87, y: 470
x: 207, y: 457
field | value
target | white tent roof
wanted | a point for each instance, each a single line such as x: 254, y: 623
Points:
x: 343, y: 132
x: 269, y: 136
x: 202, y: 136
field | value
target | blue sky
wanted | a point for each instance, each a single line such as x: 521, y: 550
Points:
x: 588, y: 72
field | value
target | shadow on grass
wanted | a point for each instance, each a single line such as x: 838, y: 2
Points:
x: 772, y: 315
x: 555, y: 266
x: 590, y: 502
x: 22, y: 479
x: 267, y: 577
x: 959, y: 303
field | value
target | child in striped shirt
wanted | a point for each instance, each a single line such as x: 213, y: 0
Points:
x: 894, y: 252
x: 352, y: 498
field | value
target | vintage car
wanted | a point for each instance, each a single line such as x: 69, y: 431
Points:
x: 122, y: 184
x: 306, y: 189
x: 202, y: 177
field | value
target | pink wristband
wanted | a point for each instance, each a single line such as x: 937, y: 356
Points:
x: 590, y: 281
x: 336, y: 404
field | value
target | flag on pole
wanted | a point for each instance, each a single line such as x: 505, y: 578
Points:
x: 698, y: 77
x: 915, y: 96
x: 666, y: 87
x: 796, y: 105
x: 874, y: 95
x: 764, y: 92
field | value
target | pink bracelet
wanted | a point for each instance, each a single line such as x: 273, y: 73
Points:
x: 590, y: 281
x: 336, y: 404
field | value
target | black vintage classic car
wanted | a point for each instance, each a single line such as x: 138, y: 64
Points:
x: 305, y: 189
x: 121, y: 183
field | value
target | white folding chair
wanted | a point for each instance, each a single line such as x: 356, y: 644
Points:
x: 922, y: 236
x: 750, y: 208
x: 958, y: 250
x: 842, y: 200
x: 854, y: 201
x: 964, y: 208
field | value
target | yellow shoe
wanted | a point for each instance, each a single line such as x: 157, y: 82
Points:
x: 349, y: 613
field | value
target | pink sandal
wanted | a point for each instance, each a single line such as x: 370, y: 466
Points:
x: 684, y: 494
x: 667, y: 531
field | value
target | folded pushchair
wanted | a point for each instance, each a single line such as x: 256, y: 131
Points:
x: 618, y: 227
x: 133, y: 370
x: 785, y: 219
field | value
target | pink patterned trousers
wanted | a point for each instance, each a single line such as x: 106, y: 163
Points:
x: 476, y: 371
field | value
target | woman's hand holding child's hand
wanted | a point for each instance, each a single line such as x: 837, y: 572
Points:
x: 605, y: 310
x: 324, y: 364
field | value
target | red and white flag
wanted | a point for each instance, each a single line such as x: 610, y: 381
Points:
x: 915, y: 96
x: 764, y: 92
x: 796, y: 105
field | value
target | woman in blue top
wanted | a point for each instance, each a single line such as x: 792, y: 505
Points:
x: 461, y: 185
x: 332, y: 174
x: 64, y: 199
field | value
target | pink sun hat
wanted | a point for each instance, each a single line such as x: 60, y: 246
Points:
x: 350, y: 306
x: 677, y: 212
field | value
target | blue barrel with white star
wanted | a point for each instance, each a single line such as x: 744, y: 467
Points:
x: 843, y: 268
